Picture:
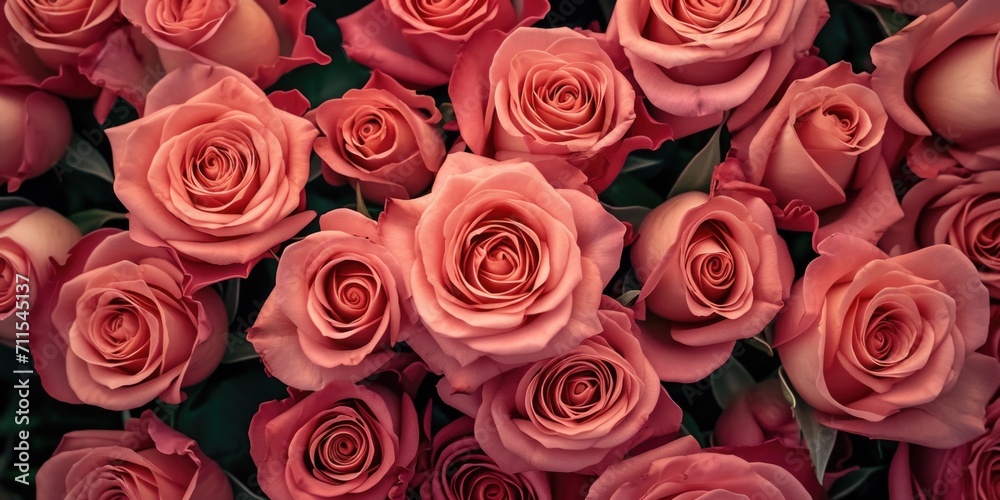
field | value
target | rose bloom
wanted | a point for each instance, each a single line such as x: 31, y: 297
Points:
x: 383, y: 137
x: 681, y: 469
x: 756, y: 415
x: 918, y: 71
x: 550, y: 92
x: 885, y: 346
x: 460, y: 470
x: 819, y: 154
x: 504, y: 269
x: 695, y: 60
x: 963, y: 472
x: 146, y: 461
x: 417, y: 41
x: 213, y: 170
x: 30, y: 239
x: 963, y: 213
x: 338, y: 306
x: 125, y: 329
x: 37, y: 135
x: 581, y: 410
x: 343, y: 441
x: 716, y: 269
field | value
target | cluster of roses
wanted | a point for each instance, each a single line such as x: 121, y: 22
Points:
x: 495, y: 277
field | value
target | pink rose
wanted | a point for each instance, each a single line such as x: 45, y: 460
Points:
x: 717, y: 270
x: 819, y: 154
x: 963, y: 213
x: 541, y: 93
x: 696, y: 60
x: 37, y: 137
x: 992, y: 345
x: 338, y: 307
x: 59, y: 31
x: 343, y: 441
x: 213, y: 170
x: 30, y: 237
x: 757, y: 415
x: 417, y: 41
x: 146, y: 461
x: 581, y: 410
x: 918, y: 71
x: 504, y: 269
x: 383, y: 137
x: 966, y: 471
x: 885, y: 346
x: 680, y: 469
x: 125, y: 329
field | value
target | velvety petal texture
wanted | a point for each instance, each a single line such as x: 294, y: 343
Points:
x: 33, y: 136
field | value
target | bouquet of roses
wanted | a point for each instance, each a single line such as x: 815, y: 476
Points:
x: 500, y: 249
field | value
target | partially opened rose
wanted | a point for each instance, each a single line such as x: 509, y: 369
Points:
x: 885, y: 346
x: 338, y: 307
x: 30, y: 237
x: 579, y: 411
x: 35, y: 135
x: 213, y: 170
x: 695, y: 60
x: 416, y: 41
x: 343, y: 441
x: 541, y: 93
x: 59, y: 31
x: 504, y: 269
x: 125, y: 327
x: 963, y: 213
x: 146, y: 461
x: 757, y: 415
x: 717, y: 270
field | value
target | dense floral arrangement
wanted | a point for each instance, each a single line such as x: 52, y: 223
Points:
x: 500, y: 249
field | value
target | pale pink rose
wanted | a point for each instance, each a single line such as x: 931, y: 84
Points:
x: 338, y: 307
x: 580, y: 411
x: 919, y: 72
x: 146, y: 461
x: 39, y: 133
x: 956, y: 211
x: 344, y: 441
x: 540, y: 93
x: 417, y: 41
x: 383, y: 137
x: 819, y: 154
x: 681, y: 469
x: 504, y: 269
x: 885, y: 346
x: 696, y: 60
x: 30, y: 238
x: 756, y: 415
x: 716, y: 269
x: 213, y: 170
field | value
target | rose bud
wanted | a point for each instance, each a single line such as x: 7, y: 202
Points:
x: 37, y: 137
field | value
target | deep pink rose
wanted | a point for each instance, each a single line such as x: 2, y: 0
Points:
x: 756, y: 415
x: 695, y: 60
x: 919, y: 71
x: 39, y: 133
x: 819, y: 154
x: 338, y: 307
x: 717, y: 270
x: 417, y: 41
x: 504, y: 269
x: 541, y: 93
x: 682, y: 470
x: 213, y: 170
x: 125, y: 327
x: 581, y: 410
x: 963, y: 213
x: 885, y: 346
x: 383, y: 137
x: 29, y: 238
x: 146, y: 461
x: 344, y: 441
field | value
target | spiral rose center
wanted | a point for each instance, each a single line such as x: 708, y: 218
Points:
x: 499, y: 260
x: 182, y: 15
x: 559, y: 100
x: 370, y: 132
x: 701, y: 15
x: 711, y: 264
x: 221, y: 170
x: 453, y: 16
x: 889, y: 341
x: 349, y: 288
x: 343, y: 446
x: 576, y: 388
x: 474, y: 475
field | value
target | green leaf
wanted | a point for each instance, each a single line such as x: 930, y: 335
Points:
x: 627, y: 190
x: 238, y: 349
x: 94, y: 219
x: 729, y: 380
x: 242, y: 491
x: 632, y: 214
x: 819, y: 438
x: 786, y: 387
x: 697, y: 175
x: 850, y: 484
x: 8, y: 202
x: 362, y: 209
x: 82, y: 156
x: 231, y: 297
x: 760, y: 343
x: 628, y: 298
x: 638, y: 162
x: 889, y: 20
x: 689, y: 427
